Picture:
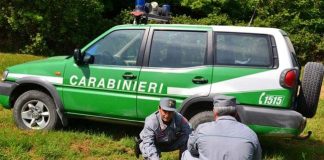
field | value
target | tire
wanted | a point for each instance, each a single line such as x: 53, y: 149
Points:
x: 201, y: 117
x: 35, y: 110
x: 310, y: 89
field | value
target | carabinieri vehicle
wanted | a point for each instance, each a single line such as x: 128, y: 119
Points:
x: 121, y: 76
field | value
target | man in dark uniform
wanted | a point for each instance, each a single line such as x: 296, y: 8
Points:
x: 165, y: 130
x: 224, y: 138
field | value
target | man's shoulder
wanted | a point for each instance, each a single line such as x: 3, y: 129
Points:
x: 181, y: 119
x: 204, y: 126
x: 151, y: 120
x: 179, y: 116
x: 151, y: 116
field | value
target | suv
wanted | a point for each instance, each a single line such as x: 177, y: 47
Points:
x: 121, y: 75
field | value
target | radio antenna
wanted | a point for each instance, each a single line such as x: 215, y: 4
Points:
x: 253, y: 13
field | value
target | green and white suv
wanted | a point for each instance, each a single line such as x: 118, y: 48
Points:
x: 121, y: 76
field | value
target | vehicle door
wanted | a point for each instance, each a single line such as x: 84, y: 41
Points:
x: 176, y: 65
x: 107, y: 87
x: 246, y: 66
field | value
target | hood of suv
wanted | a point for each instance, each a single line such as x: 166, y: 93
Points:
x: 48, y: 68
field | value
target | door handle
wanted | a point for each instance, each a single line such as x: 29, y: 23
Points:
x: 199, y: 80
x: 129, y: 75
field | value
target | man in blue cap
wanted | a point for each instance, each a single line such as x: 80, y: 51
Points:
x: 165, y: 130
x: 224, y: 138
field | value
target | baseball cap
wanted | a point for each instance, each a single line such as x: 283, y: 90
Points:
x: 168, y: 104
x: 224, y: 101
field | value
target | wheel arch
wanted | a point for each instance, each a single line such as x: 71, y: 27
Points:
x: 32, y: 83
x: 195, y: 104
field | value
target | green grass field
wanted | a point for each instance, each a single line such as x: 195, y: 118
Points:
x: 84, y: 139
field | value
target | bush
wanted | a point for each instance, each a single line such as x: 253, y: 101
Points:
x: 308, y: 46
x: 45, y: 27
x: 57, y: 27
x: 38, y: 45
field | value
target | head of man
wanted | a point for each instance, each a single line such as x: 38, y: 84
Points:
x: 224, y: 106
x: 167, y: 108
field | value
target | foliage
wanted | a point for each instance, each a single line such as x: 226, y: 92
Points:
x: 303, y: 20
x: 124, y: 17
x: 211, y: 19
x: 45, y: 27
x: 56, y: 27
x: 38, y: 45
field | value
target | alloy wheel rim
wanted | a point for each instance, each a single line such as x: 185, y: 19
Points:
x: 35, y: 114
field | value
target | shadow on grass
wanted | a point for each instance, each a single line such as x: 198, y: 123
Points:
x: 291, y: 149
x: 115, y: 131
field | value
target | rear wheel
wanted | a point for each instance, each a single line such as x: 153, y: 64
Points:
x: 201, y: 117
x: 35, y: 110
x: 310, y: 89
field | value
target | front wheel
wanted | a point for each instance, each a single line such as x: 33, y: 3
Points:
x: 201, y: 117
x: 35, y: 110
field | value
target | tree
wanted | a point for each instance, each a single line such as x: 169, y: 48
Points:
x: 45, y: 27
x: 48, y: 27
x: 303, y: 19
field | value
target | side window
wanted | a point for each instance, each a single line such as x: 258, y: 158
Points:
x: 176, y: 49
x: 243, y: 50
x: 120, y: 47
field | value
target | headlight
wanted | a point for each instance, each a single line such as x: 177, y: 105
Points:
x: 4, y: 75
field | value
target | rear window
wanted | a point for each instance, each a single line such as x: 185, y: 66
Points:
x: 243, y: 50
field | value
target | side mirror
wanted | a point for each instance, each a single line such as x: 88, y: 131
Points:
x: 78, y: 58
x: 88, y: 59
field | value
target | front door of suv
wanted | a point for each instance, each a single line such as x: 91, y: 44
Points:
x: 175, y: 66
x: 108, y: 86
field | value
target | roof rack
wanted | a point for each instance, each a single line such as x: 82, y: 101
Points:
x: 150, y: 11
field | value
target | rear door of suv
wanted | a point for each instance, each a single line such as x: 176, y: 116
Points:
x: 246, y: 66
x: 177, y: 64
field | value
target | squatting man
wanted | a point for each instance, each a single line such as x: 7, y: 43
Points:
x: 224, y: 138
x: 165, y: 130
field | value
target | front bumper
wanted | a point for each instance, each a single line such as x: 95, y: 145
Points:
x: 271, y: 121
x: 6, y: 89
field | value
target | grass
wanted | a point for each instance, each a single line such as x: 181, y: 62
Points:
x: 84, y: 139
x: 7, y: 60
